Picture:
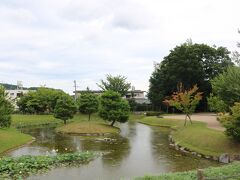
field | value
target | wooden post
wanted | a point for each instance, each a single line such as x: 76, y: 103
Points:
x: 200, y: 175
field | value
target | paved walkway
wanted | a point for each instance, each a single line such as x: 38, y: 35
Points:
x: 209, y: 118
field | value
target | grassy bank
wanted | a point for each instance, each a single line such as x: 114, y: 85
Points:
x: 19, y: 168
x: 214, y: 173
x: 197, y: 136
x: 21, y: 120
x: 11, y: 138
x: 87, y: 128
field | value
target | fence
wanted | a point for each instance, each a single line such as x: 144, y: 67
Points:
x: 200, y: 176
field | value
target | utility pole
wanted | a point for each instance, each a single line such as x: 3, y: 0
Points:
x: 75, y: 90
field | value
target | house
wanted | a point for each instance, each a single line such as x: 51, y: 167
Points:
x: 137, y: 95
x: 14, y: 94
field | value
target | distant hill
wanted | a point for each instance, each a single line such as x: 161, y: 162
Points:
x: 12, y: 87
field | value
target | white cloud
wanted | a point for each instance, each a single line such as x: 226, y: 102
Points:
x: 54, y: 42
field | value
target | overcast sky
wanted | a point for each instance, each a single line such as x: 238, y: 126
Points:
x: 54, y: 42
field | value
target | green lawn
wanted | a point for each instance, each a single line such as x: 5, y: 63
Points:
x: 87, y: 128
x: 197, y: 136
x: 213, y: 173
x: 11, y: 138
x: 20, y: 120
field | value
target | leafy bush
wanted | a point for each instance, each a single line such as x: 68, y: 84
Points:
x: 65, y: 108
x: 216, y: 104
x: 153, y: 113
x: 18, y: 168
x: 113, y: 107
x: 88, y: 103
x: 6, y: 109
x: 232, y: 122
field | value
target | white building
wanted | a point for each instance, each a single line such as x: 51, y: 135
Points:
x: 14, y: 94
x: 137, y: 95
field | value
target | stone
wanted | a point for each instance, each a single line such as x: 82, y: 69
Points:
x: 224, y: 158
x: 194, y: 153
x: 172, y: 145
x: 182, y: 149
x: 215, y: 158
x: 207, y: 157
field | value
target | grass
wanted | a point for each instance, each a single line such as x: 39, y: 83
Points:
x: 11, y: 138
x: 87, y: 128
x: 20, y: 120
x: 21, y: 167
x: 214, y: 173
x: 197, y: 136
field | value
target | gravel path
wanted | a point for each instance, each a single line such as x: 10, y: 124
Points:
x: 209, y: 118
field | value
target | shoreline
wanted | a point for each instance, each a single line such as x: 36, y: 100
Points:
x: 5, y: 152
x: 223, y: 158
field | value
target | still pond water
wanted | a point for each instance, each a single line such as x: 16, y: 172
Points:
x: 138, y: 150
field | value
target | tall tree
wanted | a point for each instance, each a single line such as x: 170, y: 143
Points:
x: 186, y: 100
x: 115, y: 83
x: 113, y: 108
x: 6, y: 108
x: 190, y: 64
x: 65, y: 108
x: 88, y: 103
x: 41, y: 101
x: 226, y: 86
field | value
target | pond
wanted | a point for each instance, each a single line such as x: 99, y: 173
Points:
x: 138, y: 150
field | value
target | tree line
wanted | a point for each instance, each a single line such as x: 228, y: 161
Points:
x: 194, y: 73
x: 110, y: 105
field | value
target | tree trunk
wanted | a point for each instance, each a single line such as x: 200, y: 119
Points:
x: 113, y: 122
x: 185, y: 120
x: 89, y: 116
x: 189, y: 117
x: 65, y: 122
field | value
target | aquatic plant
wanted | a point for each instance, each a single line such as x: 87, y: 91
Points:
x: 21, y: 167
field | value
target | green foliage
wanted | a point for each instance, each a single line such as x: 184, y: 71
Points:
x: 216, y: 104
x: 21, y: 167
x: 185, y: 100
x: 6, y: 109
x: 132, y: 103
x: 227, y: 86
x: 41, y: 101
x: 88, y: 103
x: 232, y: 124
x: 190, y: 64
x: 65, y: 108
x: 153, y: 113
x: 113, y: 107
x: 115, y: 83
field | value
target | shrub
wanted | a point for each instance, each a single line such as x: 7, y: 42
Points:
x: 18, y: 168
x: 216, y: 104
x: 153, y: 113
x: 6, y: 109
x: 232, y: 123
x: 113, y: 107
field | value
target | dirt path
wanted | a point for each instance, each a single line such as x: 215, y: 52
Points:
x: 209, y: 118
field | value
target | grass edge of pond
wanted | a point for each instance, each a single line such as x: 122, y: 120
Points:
x: 11, y: 139
x: 194, y: 136
x: 87, y: 128
x: 212, y: 172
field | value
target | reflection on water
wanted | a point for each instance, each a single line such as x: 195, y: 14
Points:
x: 136, y: 151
